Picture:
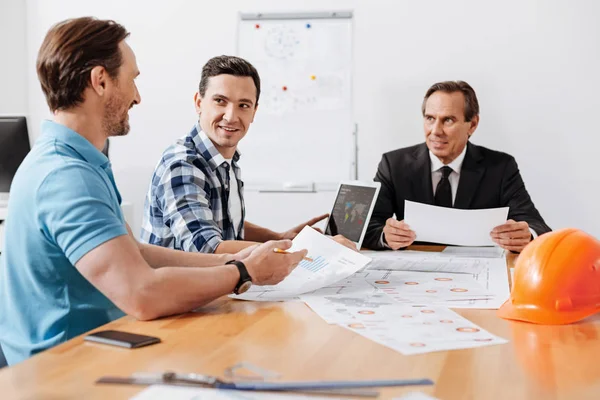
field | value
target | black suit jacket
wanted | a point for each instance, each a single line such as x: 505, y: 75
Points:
x: 488, y: 179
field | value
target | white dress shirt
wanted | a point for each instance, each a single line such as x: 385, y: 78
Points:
x: 436, y: 171
x: 235, y: 202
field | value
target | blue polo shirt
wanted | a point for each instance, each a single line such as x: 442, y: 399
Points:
x: 63, y: 203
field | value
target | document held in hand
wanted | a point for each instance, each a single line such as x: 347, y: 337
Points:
x: 331, y: 262
x: 453, y: 226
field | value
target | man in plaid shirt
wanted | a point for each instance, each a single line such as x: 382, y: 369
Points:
x: 195, y: 201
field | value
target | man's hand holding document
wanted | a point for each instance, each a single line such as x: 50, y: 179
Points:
x: 453, y: 226
x: 326, y: 263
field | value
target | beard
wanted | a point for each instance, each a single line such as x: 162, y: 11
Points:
x: 116, y: 117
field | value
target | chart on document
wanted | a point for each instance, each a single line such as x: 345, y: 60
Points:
x: 327, y: 262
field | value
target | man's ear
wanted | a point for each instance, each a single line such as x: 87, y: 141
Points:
x: 98, y: 78
x: 254, y: 115
x: 198, y: 102
x: 474, y: 123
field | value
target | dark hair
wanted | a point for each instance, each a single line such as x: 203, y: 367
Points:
x: 71, y: 49
x: 229, y: 65
x: 471, y: 103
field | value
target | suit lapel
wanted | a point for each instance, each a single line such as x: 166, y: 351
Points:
x: 470, y: 175
x: 421, y: 176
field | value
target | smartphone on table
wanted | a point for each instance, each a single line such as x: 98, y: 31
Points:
x: 122, y: 339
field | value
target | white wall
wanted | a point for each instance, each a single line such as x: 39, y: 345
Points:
x: 13, y: 56
x: 534, y: 65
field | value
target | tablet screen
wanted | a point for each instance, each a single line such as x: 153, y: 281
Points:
x: 350, y: 211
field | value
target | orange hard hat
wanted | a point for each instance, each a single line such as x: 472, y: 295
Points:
x: 556, y: 280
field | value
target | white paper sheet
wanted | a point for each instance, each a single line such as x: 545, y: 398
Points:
x: 494, y: 278
x: 453, y: 226
x: 425, y: 261
x: 489, y: 273
x: 417, y: 328
x: 333, y: 306
x: 429, y: 287
x: 162, y: 392
x: 331, y: 263
x: 474, y: 252
x: 259, y: 293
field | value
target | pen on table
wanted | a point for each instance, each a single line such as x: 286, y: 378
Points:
x: 276, y: 250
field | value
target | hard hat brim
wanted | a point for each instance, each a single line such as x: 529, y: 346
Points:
x: 538, y: 315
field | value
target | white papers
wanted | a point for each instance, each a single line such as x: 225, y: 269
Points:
x: 486, y: 279
x: 331, y: 263
x: 466, y: 251
x: 494, y: 278
x: 429, y: 287
x: 425, y: 261
x: 485, y: 287
x: 388, y: 311
x: 161, y: 392
x: 331, y: 303
x: 453, y: 226
x: 413, y: 328
x: 260, y: 293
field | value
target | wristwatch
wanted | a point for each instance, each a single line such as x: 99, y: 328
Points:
x: 245, y: 279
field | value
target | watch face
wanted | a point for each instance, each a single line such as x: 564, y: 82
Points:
x: 244, y: 287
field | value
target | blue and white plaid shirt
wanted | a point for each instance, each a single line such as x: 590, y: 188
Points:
x: 186, y: 207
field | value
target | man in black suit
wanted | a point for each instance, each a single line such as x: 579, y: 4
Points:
x: 449, y: 171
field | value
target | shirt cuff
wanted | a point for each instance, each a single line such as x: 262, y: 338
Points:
x: 533, y: 233
x: 382, y: 242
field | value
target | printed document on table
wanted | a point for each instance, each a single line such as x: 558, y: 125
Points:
x: 416, y: 328
x: 490, y: 274
x: 331, y: 262
x: 451, y: 225
x: 494, y: 278
x: 424, y: 261
x: 429, y: 287
x: 474, y: 252
x: 261, y: 293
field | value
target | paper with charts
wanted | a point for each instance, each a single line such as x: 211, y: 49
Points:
x: 407, y: 328
x: 474, y: 252
x: 161, y: 392
x: 425, y: 261
x: 451, y: 225
x: 331, y: 262
x: 487, y: 273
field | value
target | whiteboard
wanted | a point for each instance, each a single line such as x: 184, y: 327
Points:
x: 303, y: 137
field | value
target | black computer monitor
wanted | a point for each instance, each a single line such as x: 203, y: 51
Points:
x: 14, y: 146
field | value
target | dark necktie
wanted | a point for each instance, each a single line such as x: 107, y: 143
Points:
x: 443, y: 191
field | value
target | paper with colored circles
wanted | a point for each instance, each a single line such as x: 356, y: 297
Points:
x: 489, y: 273
x: 417, y: 328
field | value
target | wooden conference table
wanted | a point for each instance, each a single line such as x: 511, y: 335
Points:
x: 539, y: 362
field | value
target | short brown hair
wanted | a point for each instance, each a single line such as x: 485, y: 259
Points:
x: 229, y: 65
x: 471, y: 103
x: 71, y: 49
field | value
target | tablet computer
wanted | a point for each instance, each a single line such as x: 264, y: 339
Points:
x: 352, y: 209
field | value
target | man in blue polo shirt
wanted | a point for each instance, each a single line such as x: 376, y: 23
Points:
x: 70, y: 263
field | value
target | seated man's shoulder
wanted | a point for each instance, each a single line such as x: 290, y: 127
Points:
x: 406, y: 153
x: 74, y: 176
x: 180, y: 154
x: 62, y: 168
x: 490, y: 156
